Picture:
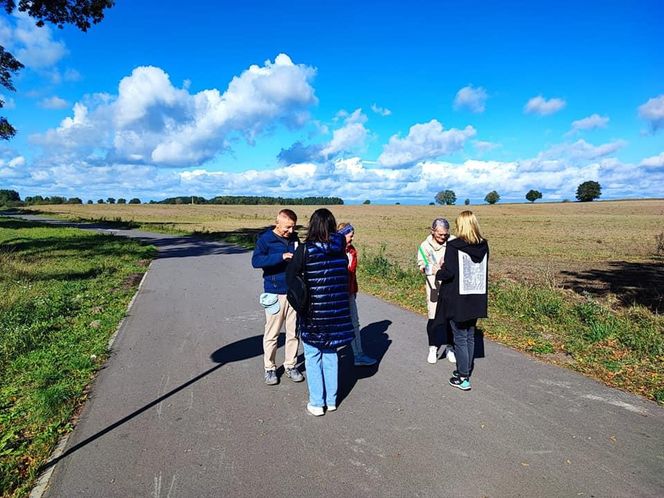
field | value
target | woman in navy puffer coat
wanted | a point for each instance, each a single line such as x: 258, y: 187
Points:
x: 327, y: 324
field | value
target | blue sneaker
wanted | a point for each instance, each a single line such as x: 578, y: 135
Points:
x: 462, y: 383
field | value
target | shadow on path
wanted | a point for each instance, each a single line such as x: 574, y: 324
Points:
x: 236, y: 351
x: 375, y: 342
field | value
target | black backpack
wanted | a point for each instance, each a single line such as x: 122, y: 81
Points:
x: 298, y: 292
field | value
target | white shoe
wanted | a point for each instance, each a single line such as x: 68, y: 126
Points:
x: 316, y: 411
x: 332, y: 408
x: 433, y: 355
x: 451, y: 357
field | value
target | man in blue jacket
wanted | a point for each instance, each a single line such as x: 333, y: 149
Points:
x: 273, y: 252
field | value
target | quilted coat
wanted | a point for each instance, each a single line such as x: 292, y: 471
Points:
x: 327, y: 324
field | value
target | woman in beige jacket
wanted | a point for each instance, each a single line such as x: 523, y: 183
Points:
x: 430, y: 256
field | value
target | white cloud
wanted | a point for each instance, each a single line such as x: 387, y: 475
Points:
x: 543, y: 107
x: 654, y: 161
x: 382, y: 111
x: 152, y: 122
x: 31, y: 45
x: 653, y: 112
x: 588, y: 123
x: 556, y: 172
x: 483, y: 146
x: 54, y: 102
x: 351, y: 136
x: 424, y: 141
x: 471, y: 98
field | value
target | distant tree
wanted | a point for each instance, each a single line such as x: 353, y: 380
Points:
x: 397, y: 204
x: 9, y: 197
x: 367, y: 202
x: 533, y: 195
x: 111, y: 200
x: 80, y: 13
x: 90, y: 201
x: 100, y: 201
x: 588, y: 191
x: 446, y: 197
x: 122, y: 200
x: 432, y: 204
x: 492, y: 197
x: 74, y: 200
x: 136, y: 200
x: 467, y: 202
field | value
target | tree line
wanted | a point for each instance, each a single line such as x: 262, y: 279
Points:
x: 254, y: 200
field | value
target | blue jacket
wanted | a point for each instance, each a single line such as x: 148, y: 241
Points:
x: 268, y: 255
x: 327, y: 324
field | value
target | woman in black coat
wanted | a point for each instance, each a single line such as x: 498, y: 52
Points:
x: 462, y: 298
x: 326, y: 324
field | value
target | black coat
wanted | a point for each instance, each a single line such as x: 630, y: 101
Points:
x: 463, y: 290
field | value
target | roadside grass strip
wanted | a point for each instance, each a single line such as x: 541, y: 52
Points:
x: 63, y: 292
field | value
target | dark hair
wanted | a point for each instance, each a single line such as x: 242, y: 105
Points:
x: 290, y: 214
x: 321, y: 225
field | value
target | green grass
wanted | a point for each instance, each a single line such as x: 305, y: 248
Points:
x: 63, y: 292
x: 624, y: 347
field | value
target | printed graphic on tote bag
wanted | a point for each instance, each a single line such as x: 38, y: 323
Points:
x: 472, y: 276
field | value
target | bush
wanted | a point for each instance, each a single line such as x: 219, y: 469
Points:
x: 588, y: 191
x: 446, y: 197
x: 136, y: 200
x: 492, y: 197
x: 533, y: 195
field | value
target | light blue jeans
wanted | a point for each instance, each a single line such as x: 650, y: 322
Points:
x: 322, y: 375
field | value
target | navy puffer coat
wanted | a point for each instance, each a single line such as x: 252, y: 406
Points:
x: 327, y: 324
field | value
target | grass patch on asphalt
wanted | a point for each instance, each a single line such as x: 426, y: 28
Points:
x: 63, y: 292
x: 622, y: 347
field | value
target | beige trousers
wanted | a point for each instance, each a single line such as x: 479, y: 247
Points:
x: 286, y: 315
x: 432, y: 296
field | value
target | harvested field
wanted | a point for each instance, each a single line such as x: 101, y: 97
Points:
x: 599, y: 247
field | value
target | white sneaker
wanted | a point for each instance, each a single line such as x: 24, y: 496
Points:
x: 433, y: 355
x: 332, y: 408
x: 451, y: 357
x: 316, y: 411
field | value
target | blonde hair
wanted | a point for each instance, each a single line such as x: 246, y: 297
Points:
x: 341, y: 225
x: 468, y: 228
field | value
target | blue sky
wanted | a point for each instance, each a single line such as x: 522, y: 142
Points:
x: 388, y: 101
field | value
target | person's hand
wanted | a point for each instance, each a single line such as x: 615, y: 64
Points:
x: 422, y: 269
x: 435, y: 268
x: 287, y: 256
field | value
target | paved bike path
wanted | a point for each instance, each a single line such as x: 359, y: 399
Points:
x: 180, y: 410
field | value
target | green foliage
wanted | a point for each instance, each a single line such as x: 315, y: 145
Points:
x: 588, y: 191
x: 89, y: 201
x: 110, y: 200
x: 446, y: 197
x: 367, y: 202
x: 80, y: 13
x: 62, y: 293
x: 492, y: 197
x: 100, y: 201
x: 135, y: 200
x: 122, y: 200
x: 533, y: 195
x: 8, y: 197
x: 253, y: 200
x: 466, y: 202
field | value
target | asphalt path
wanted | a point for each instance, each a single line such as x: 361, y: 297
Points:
x: 181, y: 410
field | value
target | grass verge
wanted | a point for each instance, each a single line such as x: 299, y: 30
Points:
x: 63, y: 292
x: 622, y: 347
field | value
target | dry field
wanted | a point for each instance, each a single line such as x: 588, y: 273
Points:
x: 600, y: 244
